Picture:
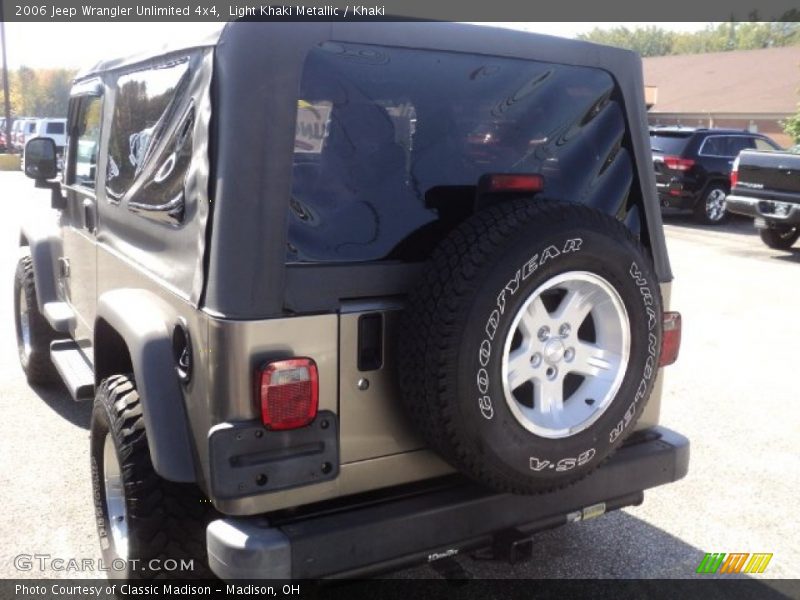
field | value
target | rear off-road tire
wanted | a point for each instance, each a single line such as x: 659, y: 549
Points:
x: 156, y: 526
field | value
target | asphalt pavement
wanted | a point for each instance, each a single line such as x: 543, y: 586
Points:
x: 733, y: 392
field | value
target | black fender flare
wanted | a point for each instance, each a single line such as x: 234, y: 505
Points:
x: 142, y: 320
x: 44, y: 241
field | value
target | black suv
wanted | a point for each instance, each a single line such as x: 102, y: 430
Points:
x: 693, y: 166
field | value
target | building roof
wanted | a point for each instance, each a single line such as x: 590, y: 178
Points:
x: 740, y: 81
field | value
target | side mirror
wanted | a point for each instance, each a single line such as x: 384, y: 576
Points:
x: 41, y: 164
x: 40, y: 159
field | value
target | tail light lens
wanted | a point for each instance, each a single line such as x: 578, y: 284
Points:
x: 735, y: 173
x: 289, y: 393
x: 676, y: 163
x: 671, y: 338
x: 514, y: 183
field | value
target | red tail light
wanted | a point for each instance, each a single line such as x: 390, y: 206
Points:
x: 289, y: 393
x: 671, y: 338
x: 735, y: 173
x: 515, y: 183
x: 676, y: 163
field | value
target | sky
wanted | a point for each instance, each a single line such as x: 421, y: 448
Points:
x: 76, y: 45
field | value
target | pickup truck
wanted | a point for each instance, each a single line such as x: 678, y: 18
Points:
x: 766, y: 186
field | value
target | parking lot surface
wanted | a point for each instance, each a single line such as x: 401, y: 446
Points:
x: 733, y: 392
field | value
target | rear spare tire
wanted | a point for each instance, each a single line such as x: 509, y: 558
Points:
x: 531, y: 347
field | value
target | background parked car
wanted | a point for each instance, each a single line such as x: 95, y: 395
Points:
x: 16, y: 129
x: 22, y: 129
x: 693, y: 166
x: 766, y: 186
x: 4, y: 145
x: 55, y: 129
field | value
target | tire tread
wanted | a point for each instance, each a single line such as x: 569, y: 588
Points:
x: 169, y: 518
x: 39, y: 369
x: 434, y: 319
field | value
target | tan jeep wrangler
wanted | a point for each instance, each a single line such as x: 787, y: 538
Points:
x: 349, y: 296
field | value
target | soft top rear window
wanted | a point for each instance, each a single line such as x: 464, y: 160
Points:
x: 668, y: 142
x: 391, y: 142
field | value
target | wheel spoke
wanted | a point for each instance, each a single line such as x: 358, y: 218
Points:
x: 592, y: 361
x: 577, y: 304
x: 549, y: 399
x: 551, y: 349
x: 519, y: 367
x: 532, y: 319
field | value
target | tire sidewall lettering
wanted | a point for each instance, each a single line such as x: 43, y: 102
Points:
x: 642, y: 284
x: 509, y: 291
x: 493, y: 327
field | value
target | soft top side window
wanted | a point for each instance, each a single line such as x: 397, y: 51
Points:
x: 84, y: 141
x: 150, y: 142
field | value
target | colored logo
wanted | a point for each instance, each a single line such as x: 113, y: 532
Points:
x: 741, y: 562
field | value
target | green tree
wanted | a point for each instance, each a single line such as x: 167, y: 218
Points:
x: 40, y: 92
x: 647, y: 41
x: 792, y: 126
x: 53, y: 97
x: 721, y: 37
x: 24, y: 91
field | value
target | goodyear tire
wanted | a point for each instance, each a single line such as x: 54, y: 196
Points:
x: 148, y: 527
x: 531, y: 347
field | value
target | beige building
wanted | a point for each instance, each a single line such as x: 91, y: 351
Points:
x: 743, y: 89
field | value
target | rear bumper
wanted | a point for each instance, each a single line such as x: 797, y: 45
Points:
x: 771, y: 211
x: 395, y: 532
x: 675, y: 196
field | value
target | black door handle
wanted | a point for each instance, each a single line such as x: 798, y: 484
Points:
x: 88, y: 215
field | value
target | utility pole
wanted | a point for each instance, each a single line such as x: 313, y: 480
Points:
x: 6, y: 100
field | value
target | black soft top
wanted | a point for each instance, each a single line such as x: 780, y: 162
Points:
x: 256, y: 77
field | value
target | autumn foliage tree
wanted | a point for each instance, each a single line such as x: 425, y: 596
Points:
x: 39, y: 92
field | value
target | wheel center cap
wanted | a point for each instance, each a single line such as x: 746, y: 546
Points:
x: 553, y: 351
